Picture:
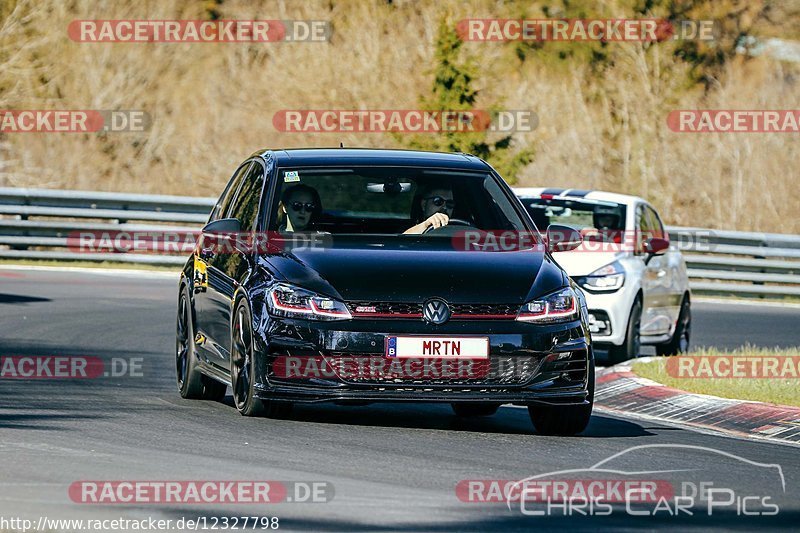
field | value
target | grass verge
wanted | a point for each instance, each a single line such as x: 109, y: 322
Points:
x: 89, y: 264
x: 782, y: 390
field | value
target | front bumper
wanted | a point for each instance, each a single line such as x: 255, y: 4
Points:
x: 528, y: 363
x: 609, y: 312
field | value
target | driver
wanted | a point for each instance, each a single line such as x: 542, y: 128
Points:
x: 606, y: 221
x: 606, y: 225
x: 437, y: 205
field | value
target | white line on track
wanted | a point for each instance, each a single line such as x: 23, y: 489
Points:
x: 751, y: 303
x: 99, y: 271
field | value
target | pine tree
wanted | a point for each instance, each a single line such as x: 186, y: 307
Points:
x: 452, y: 91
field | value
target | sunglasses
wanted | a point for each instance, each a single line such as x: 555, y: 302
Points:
x: 438, y: 201
x: 299, y: 206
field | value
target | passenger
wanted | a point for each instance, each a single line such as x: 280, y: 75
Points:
x: 299, y: 209
x: 435, y: 209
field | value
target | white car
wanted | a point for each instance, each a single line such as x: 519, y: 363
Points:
x: 636, y: 285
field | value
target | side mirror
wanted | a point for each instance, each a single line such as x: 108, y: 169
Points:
x: 562, y: 238
x: 223, y: 225
x: 655, y: 246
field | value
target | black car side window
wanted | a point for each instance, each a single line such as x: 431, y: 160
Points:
x: 245, y: 207
x: 224, y: 202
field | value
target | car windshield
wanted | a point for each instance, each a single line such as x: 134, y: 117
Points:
x: 580, y: 214
x: 389, y: 201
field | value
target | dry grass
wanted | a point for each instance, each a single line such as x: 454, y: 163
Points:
x: 212, y: 104
x: 769, y: 390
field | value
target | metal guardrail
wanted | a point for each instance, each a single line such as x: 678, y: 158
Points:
x: 36, y: 224
x: 35, y: 221
x: 740, y: 263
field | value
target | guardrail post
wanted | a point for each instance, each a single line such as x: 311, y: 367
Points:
x: 764, y: 244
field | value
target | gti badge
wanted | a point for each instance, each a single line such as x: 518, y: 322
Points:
x: 436, y: 311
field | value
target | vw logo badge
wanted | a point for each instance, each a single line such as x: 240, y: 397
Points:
x: 436, y: 311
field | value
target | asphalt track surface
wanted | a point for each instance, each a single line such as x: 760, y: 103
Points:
x: 393, y: 467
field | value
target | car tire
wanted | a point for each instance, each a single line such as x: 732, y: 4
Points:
x: 564, y: 419
x: 632, y: 345
x: 243, y: 370
x: 469, y: 409
x: 679, y: 343
x: 192, y: 384
x: 243, y: 363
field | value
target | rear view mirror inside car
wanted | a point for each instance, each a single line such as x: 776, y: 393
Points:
x: 391, y: 187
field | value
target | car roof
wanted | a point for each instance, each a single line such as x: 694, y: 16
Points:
x: 369, y: 156
x: 578, y: 194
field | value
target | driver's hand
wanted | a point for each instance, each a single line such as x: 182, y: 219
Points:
x: 437, y: 220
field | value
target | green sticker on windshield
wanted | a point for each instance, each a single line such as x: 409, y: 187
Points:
x: 290, y: 176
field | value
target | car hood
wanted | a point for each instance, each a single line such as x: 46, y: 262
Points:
x: 584, y: 262
x: 401, y: 274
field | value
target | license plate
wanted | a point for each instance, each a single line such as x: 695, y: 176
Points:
x: 438, y: 347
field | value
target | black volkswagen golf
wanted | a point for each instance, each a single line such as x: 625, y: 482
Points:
x: 359, y: 276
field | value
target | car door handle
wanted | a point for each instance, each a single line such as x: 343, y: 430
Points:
x: 661, y: 273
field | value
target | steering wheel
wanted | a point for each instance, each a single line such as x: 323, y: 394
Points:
x: 451, y: 222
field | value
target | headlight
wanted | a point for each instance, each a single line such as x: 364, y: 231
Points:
x: 609, y: 278
x: 293, y: 302
x: 561, y: 306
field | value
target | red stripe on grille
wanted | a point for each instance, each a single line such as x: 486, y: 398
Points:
x: 483, y: 317
x: 387, y: 315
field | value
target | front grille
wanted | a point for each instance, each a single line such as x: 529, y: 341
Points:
x: 414, y: 310
x: 375, y: 369
x: 498, y: 310
x: 385, y: 309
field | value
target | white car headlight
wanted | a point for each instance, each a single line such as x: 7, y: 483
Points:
x: 293, y: 302
x: 560, y: 306
x: 608, y: 278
